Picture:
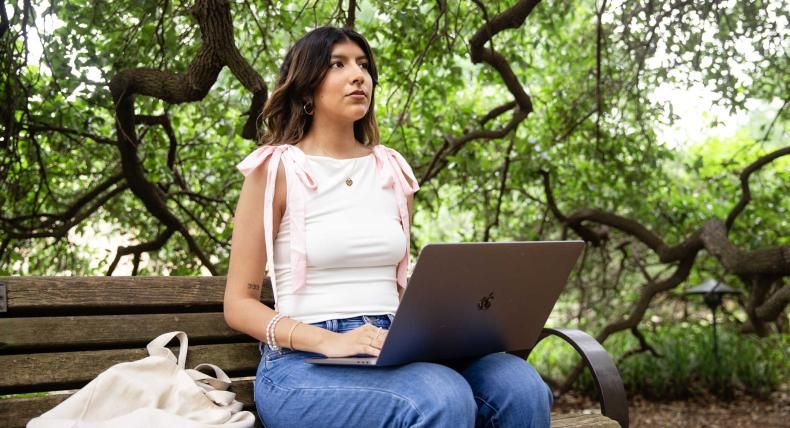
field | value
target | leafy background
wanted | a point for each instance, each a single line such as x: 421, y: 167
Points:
x: 617, y: 90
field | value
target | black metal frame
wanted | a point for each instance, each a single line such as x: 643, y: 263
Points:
x: 614, y: 404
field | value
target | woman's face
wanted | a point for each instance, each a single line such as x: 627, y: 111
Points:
x: 345, y: 92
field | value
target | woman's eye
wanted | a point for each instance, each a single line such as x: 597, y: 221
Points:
x: 336, y: 64
x: 365, y: 65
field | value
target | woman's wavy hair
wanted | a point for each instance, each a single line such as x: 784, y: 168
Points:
x: 305, y: 66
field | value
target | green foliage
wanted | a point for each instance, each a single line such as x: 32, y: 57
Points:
x: 599, y: 135
x: 429, y: 90
x: 686, y: 366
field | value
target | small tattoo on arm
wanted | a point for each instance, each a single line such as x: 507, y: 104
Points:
x: 253, y: 286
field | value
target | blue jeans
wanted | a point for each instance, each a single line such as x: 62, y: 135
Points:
x: 497, y: 390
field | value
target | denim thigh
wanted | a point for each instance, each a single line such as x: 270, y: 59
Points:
x: 290, y: 392
x: 509, y: 392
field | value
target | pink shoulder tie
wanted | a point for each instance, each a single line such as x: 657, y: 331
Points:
x: 395, y: 172
x: 294, y: 166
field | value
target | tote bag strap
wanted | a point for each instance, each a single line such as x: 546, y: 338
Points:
x: 215, y: 387
x: 156, y: 348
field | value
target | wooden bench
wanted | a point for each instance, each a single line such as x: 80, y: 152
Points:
x: 58, y: 333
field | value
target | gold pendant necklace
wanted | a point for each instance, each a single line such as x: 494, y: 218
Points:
x: 349, y: 181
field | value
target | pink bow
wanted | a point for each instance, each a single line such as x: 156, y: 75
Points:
x: 293, y: 161
x: 396, y: 172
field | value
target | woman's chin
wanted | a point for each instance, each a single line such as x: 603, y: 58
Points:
x: 348, y: 114
x: 354, y: 116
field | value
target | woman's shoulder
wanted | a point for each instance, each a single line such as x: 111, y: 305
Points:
x: 260, y: 157
x: 399, y: 164
x: 389, y: 151
x: 255, y: 168
x: 382, y: 148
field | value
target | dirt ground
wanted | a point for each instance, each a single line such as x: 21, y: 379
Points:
x: 706, y: 412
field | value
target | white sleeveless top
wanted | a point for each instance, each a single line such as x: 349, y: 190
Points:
x: 347, y: 232
x: 354, y: 241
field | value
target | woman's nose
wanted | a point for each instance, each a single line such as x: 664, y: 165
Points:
x: 358, y: 76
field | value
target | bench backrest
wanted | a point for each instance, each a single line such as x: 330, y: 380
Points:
x: 58, y: 333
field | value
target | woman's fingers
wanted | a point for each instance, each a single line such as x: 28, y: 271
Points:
x: 378, y: 339
x: 372, y: 351
x: 372, y: 339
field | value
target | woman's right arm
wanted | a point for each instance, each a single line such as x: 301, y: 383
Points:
x: 243, y: 309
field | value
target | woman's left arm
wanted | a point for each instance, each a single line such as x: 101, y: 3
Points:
x: 410, y: 204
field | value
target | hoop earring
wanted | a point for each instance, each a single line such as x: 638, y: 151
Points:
x: 305, y: 108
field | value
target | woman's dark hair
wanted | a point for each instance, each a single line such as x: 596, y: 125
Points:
x: 301, y: 73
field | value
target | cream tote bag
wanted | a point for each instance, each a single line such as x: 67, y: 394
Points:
x: 155, y: 391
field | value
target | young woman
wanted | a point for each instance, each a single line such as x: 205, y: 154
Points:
x: 328, y: 208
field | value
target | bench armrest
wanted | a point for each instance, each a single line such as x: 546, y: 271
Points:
x: 608, y: 383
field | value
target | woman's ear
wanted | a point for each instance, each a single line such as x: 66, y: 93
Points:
x: 308, y: 107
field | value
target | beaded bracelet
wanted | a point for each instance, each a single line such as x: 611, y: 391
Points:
x: 271, y: 328
x: 269, y: 332
x: 272, y: 332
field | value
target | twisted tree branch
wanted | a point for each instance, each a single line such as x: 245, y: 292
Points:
x: 71, y: 216
x: 45, y: 127
x: 512, y: 17
x: 746, y: 194
x: 164, y: 121
x: 218, y: 49
x: 351, y: 17
x: 773, y: 261
x: 773, y: 306
x: 3, y: 21
x: 137, y: 250
x: 643, y: 347
x: 502, y: 188
x: 757, y: 268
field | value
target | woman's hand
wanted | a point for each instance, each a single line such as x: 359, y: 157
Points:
x: 366, y: 340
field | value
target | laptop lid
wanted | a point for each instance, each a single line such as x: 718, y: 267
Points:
x: 471, y: 299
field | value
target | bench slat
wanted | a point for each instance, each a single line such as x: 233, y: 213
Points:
x: 578, y: 420
x: 31, y: 294
x: 108, y: 331
x: 70, y: 370
x: 16, y: 412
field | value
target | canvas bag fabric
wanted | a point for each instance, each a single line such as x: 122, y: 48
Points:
x: 156, y: 391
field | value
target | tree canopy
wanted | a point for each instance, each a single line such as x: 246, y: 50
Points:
x: 122, y: 121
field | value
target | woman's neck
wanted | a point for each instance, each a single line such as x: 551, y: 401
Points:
x: 331, y: 139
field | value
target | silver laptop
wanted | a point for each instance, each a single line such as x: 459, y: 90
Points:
x: 471, y: 299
